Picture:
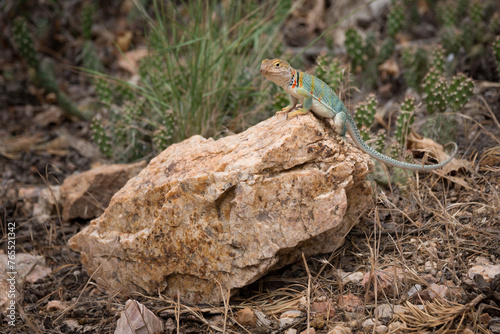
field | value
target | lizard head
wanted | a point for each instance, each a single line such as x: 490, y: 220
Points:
x: 277, y: 71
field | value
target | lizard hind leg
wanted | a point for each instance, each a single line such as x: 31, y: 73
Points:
x: 339, y: 125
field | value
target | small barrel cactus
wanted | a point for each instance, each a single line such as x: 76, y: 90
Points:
x: 405, y: 120
x: 365, y: 115
x: 331, y: 71
x: 24, y: 42
x: 355, y: 48
x: 395, y: 19
x: 460, y: 90
x: 100, y: 137
x: 496, y: 51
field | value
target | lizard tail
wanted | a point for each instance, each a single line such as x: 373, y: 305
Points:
x: 353, y: 131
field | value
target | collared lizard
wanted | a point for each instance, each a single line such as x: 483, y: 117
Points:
x: 317, y: 96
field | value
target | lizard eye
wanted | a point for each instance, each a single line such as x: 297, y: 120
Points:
x: 277, y: 65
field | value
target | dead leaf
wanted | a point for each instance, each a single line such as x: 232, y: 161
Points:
x: 12, y: 147
x: 123, y: 40
x: 418, y: 143
x: 380, y: 280
x: 246, y: 317
x: 56, y: 305
x: 389, y: 68
x: 137, y: 319
x: 53, y: 115
x: 129, y: 61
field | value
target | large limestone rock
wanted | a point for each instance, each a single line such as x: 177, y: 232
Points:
x: 206, y: 212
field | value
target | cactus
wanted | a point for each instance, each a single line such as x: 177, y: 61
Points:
x: 100, y: 137
x: 355, y: 48
x: 405, y: 120
x: 44, y: 69
x: 438, y: 59
x: 103, y: 90
x: 331, y: 71
x: 446, y: 13
x: 451, y: 39
x: 87, y: 20
x: 386, y: 50
x: 379, y: 143
x: 462, y: 9
x: 435, y: 88
x: 24, y: 43
x: 90, y: 58
x: 496, y: 51
x: 439, y: 94
x: 476, y: 13
x: 370, y: 45
x: 415, y: 63
x: 460, y: 90
x: 365, y: 115
x: 161, y: 139
x: 395, y: 20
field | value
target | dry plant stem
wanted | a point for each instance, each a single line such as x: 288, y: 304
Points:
x: 178, y: 312
x: 84, y: 287
x: 492, y: 115
x: 308, y: 295
x: 437, y: 313
x: 225, y: 300
x: 479, y: 125
x: 46, y: 182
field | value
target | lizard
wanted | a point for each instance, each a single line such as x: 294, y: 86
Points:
x: 318, y: 97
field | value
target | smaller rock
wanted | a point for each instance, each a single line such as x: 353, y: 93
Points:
x: 137, y: 319
x: 324, y: 307
x: 291, y: 331
x: 381, y: 329
x: 437, y: 290
x: 349, y: 302
x: 73, y: 324
x: 291, y: 314
x: 287, y: 318
x: 368, y: 324
x: 339, y: 329
x: 414, y: 289
x: 309, y: 331
x: 395, y: 326
x: 352, y: 277
x: 495, y: 328
x: 386, y: 312
x: 46, y: 205
x: 87, y: 194
x: 487, y: 271
x: 430, y: 267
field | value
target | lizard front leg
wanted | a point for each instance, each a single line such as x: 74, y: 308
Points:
x: 306, y: 105
x: 287, y: 109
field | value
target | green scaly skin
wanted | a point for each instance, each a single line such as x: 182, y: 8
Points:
x: 318, y: 97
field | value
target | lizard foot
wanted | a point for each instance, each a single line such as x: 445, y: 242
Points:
x: 301, y: 111
x: 342, y: 140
